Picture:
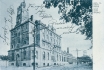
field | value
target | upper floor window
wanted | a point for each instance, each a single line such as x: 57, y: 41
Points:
x: 17, y: 46
x: 47, y: 37
x: 19, y: 34
x: 15, y: 34
x: 26, y: 26
x: 54, y: 41
x: 43, y: 55
x: 48, y: 56
x: 51, y: 39
x: 12, y: 46
x: 57, y: 57
x: 72, y: 2
x: 12, y: 56
x: 18, y: 39
x: 43, y: 36
x: 50, y: 33
x: 37, y: 54
x: 24, y: 53
x: 12, y: 33
x: 64, y: 59
x: 24, y: 42
x: 60, y: 57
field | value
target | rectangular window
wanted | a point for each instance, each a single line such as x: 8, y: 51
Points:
x: 12, y: 46
x: 37, y: 54
x: 12, y: 56
x: 60, y: 57
x: 17, y: 46
x: 72, y: 2
x: 48, y: 56
x: 18, y: 39
x: 43, y: 55
x: 50, y: 33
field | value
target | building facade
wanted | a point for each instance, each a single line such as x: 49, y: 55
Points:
x: 47, y: 43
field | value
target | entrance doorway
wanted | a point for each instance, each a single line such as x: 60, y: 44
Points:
x: 17, y: 60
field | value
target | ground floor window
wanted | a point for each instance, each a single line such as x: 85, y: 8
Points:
x: 24, y: 64
x: 43, y: 64
x: 47, y: 64
x: 36, y: 64
x: 12, y: 64
x: 54, y: 63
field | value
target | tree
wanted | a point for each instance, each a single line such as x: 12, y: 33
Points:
x: 79, y: 12
x: 85, y: 59
x: 4, y: 57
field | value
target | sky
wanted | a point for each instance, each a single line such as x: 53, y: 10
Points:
x: 72, y: 40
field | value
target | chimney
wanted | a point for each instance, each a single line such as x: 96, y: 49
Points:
x: 67, y: 49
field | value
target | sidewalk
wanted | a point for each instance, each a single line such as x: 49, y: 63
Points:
x: 26, y: 68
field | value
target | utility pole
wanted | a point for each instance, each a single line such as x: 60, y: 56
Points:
x: 77, y: 55
x: 36, y: 23
x: 34, y: 36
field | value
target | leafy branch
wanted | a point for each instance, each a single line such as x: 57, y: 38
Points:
x: 78, y: 12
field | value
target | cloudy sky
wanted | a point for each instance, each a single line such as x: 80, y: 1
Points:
x: 72, y: 40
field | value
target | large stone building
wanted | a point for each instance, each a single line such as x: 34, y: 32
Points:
x: 47, y: 43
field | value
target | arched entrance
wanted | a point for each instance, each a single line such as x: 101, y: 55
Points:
x: 17, y: 60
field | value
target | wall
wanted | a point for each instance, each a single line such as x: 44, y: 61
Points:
x: 3, y: 63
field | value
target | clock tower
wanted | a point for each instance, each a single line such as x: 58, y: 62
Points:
x: 22, y: 14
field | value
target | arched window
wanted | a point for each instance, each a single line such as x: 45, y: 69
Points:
x: 43, y: 55
x: 48, y: 56
x: 24, y: 42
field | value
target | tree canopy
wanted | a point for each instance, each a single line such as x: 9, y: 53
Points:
x: 78, y: 12
x: 4, y: 57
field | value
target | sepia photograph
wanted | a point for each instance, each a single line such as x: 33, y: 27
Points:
x: 46, y: 35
